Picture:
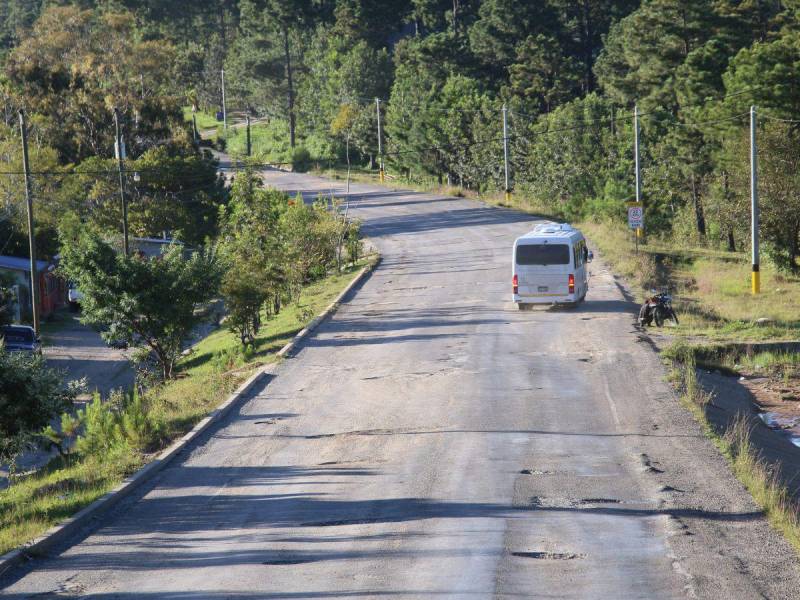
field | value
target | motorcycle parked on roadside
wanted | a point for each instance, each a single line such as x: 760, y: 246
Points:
x: 658, y: 308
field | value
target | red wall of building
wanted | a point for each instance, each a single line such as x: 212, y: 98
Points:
x: 52, y: 292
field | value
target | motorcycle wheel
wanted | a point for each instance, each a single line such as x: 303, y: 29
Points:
x: 658, y: 316
x: 673, y: 315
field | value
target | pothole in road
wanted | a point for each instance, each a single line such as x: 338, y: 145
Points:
x: 342, y: 522
x: 649, y: 465
x: 538, y: 472
x: 539, y: 502
x: 286, y: 560
x: 549, y: 555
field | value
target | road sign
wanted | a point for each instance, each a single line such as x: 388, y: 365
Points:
x: 635, y: 216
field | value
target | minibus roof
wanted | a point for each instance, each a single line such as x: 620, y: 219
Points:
x: 548, y: 231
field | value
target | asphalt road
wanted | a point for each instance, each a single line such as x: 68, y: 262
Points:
x: 81, y: 352
x: 432, y: 441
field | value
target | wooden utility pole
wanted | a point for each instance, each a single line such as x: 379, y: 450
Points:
x: 31, y: 238
x: 224, y: 104
x: 249, y: 144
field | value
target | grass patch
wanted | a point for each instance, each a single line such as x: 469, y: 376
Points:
x: 758, y: 477
x: 205, y: 120
x: 269, y: 142
x: 38, y: 501
x: 35, y: 503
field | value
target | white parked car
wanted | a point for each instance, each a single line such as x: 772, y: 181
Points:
x: 549, y: 266
x: 74, y: 296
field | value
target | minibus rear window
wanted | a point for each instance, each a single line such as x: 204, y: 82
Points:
x: 542, y: 254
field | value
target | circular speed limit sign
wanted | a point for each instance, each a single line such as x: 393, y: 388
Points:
x: 635, y: 217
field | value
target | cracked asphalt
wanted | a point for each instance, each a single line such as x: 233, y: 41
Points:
x: 432, y: 441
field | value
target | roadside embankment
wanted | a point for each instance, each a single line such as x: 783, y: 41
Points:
x: 764, y: 462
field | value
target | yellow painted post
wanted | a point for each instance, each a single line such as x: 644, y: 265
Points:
x: 756, y: 280
x: 508, y: 197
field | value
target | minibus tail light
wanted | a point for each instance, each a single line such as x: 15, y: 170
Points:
x: 571, y: 282
x: 515, y: 283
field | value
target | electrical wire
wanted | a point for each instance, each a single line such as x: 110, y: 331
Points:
x: 771, y: 118
x: 708, y: 122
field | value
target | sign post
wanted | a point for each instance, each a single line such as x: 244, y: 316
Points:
x: 636, y: 219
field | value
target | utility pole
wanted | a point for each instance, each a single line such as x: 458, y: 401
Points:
x: 756, y: 277
x: 194, y: 123
x: 638, y: 167
x: 249, y: 147
x: 224, y: 108
x: 380, y: 140
x: 347, y: 152
x: 613, y: 124
x: 141, y: 80
x: 505, y: 152
x: 31, y: 239
x: 119, y: 150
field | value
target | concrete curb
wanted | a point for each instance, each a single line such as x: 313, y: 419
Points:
x: 332, y: 307
x: 84, y: 518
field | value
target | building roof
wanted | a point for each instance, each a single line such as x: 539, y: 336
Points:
x: 15, y: 263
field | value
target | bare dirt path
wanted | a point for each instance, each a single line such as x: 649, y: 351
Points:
x: 432, y: 441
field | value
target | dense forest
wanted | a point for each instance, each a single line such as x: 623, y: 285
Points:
x: 569, y: 71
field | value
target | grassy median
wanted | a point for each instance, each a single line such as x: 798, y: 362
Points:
x: 216, y: 366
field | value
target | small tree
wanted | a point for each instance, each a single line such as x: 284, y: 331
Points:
x: 245, y: 294
x: 254, y: 254
x: 149, y: 302
x: 30, y: 395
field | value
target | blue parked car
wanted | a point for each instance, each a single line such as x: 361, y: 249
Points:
x: 20, y: 338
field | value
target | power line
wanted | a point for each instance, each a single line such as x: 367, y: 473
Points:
x: 166, y: 171
x: 771, y: 118
x: 707, y: 122
x: 656, y: 110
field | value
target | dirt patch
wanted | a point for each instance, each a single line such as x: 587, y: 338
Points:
x: 758, y: 399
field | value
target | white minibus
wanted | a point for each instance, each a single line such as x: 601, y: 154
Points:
x: 549, y: 266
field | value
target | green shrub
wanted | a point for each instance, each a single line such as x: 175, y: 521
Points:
x: 135, y: 427
x: 228, y: 359
x: 353, y: 241
x: 301, y: 159
x: 99, y: 429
